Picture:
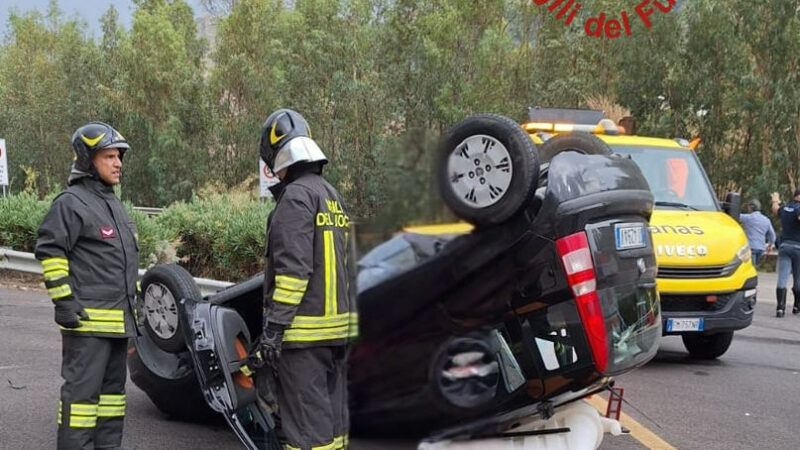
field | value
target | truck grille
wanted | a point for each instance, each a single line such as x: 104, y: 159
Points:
x: 687, y: 303
x: 698, y: 272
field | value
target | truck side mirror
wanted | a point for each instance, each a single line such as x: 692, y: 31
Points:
x: 733, y: 205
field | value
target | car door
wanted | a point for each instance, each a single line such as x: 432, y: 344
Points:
x: 218, y: 340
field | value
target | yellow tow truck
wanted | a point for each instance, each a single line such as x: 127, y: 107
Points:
x: 706, y: 280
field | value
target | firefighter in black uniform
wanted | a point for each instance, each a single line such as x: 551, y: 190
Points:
x: 308, y: 314
x: 87, y: 247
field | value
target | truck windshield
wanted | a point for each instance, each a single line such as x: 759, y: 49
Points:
x: 676, y: 177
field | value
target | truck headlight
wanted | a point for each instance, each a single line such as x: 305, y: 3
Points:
x: 744, y: 253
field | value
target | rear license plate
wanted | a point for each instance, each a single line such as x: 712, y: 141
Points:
x: 684, y: 325
x: 629, y: 235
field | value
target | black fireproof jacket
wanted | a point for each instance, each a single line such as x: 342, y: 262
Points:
x: 87, y: 245
x: 307, y: 280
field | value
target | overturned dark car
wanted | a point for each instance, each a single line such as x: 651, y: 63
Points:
x: 547, y: 293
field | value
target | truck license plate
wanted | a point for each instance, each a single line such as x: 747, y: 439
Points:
x: 629, y: 235
x: 684, y: 325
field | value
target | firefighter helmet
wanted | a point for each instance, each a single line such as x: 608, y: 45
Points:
x: 94, y: 136
x: 286, y: 140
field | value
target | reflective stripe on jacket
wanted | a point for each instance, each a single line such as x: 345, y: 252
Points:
x: 307, y: 280
x: 87, y: 247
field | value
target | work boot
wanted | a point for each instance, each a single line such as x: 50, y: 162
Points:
x: 796, y: 308
x: 781, y: 295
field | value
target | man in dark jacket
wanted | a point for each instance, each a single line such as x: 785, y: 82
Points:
x: 788, y: 252
x: 308, y: 311
x: 89, y: 255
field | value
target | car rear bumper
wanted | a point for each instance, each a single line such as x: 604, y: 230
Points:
x: 731, y: 311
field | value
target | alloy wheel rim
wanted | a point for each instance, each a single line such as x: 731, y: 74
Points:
x: 161, y: 310
x: 480, y: 171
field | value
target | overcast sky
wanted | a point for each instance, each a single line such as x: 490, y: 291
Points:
x: 88, y: 10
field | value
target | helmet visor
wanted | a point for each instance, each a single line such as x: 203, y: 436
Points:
x: 297, y: 150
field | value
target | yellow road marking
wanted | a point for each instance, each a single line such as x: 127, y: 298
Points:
x: 638, y: 431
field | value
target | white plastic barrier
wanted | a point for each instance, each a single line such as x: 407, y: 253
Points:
x: 587, y: 428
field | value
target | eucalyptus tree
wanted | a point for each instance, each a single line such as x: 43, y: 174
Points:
x: 163, y: 96
x: 47, y: 89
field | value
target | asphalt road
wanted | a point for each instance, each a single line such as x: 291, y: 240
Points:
x: 748, y: 399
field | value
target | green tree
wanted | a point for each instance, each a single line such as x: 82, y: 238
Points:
x: 162, y: 94
x: 47, y: 90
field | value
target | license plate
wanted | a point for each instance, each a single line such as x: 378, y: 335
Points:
x: 684, y: 325
x: 629, y: 235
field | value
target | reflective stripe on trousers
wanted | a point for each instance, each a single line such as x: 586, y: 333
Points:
x: 338, y: 443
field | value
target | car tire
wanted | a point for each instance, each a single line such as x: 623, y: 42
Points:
x: 173, y: 388
x: 576, y: 141
x: 707, y: 346
x: 163, y: 286
x: 469, y: 395
x: 487, y: 169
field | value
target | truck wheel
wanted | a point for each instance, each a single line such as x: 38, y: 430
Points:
x: 169, y: 381
x: 487, y: 169
x: 707, y: 346
x: 163, y: 287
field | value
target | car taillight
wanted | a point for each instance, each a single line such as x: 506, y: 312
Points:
x: 577, y: 260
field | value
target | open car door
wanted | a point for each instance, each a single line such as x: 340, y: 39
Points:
x: 218, y: 341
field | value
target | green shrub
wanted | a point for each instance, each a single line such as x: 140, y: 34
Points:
x: 220, y: 236
x: 156, y: 243
x: 217, y: 236
x: 20, y: 217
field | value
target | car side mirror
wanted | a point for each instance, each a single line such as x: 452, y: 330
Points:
x: 733, y: 205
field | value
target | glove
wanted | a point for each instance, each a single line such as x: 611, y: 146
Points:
x: 67, y: 312
x: 269, y: 344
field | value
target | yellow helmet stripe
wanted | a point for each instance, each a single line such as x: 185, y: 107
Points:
x: 92, y: 142
x: 273, y: 138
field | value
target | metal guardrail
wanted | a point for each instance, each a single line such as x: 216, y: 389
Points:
x: 149, y: 211
x: 26, y: 262
x: 19, y: 261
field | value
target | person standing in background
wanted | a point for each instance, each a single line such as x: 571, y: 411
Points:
x: 789, y: 251
x: 759, y: 231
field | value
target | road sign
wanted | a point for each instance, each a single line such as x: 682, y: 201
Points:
x: 267, y: 179
x: 3, y: 163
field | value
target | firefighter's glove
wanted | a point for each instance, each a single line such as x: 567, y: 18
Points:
x: 68, y: 310
x: 269, y: 345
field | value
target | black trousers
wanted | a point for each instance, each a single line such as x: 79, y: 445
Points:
x: 312, y: 398
x: 92, y: 407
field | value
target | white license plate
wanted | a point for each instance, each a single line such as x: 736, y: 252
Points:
x: 684, y: 325
x: 629, y: 235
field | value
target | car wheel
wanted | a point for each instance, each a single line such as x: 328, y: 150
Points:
x: 163, y: 287
x: 707, y: 346
x: 487, y: 169
x: 466, y: 375
x: 577, y: 141
x: 169, y: 381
